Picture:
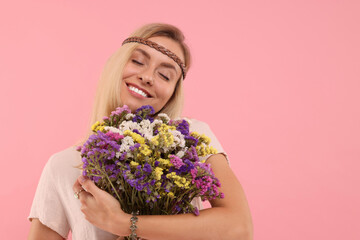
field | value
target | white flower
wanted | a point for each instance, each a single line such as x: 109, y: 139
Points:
x: 126, y: 143
x: 156, y: 122
x: 181, y: 153
x: 128, y: 125
x: 113, y: 129
x: 129, y: 116
x: 146, y: 128
x: 178, y: 138
x: 164, y: 116
x: 145, y: 123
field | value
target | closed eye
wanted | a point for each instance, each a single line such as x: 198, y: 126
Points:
x: 163, y: 76
x: 137, y: 62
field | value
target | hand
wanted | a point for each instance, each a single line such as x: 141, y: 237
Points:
x: 101, y: 209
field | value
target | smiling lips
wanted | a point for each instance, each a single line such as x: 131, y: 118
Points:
x: 137, y: 91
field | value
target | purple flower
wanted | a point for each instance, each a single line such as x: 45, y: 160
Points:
x: 110, y: 168
x: 132, y: 182
x: 138, y: 173
x: 192, y: 154
x: 139, y: 187
x: 196, y: 211
x: 183, y: 127
x: 147, y: 168
x: 189, y: 165
x: 135, y: 146
x: 177, y: 208
x: 95, y: 179
x: 144, y: 112
x: 191, y: 140
x: 123, y: 156
x: 137, y: 131
x: 113, y: 176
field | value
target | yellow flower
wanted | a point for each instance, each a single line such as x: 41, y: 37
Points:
x: 134, y: 164
x: 168, y: 139
x: 98, y: 127
x: 137, y: 138
x: 144, y: 149
x: 95, y: 125
x: 164, y: 136
x: 201, y: 137
x: 195, y: 134
x: 171, y: 194
x: 158, y: 173
x: 213, y: 150
x: 155, y: 140
x: 201, y: 151
x: 205, y: 139
x: 179, y: 181
x: 170, y: 175
x: 164, y: 162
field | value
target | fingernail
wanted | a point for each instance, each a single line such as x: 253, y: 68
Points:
x: 82, y: 179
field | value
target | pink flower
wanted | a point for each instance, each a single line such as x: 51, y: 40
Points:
x: 176, y: 161
x: 115, y: 136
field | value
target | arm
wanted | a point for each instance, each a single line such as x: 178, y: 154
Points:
x: 38, y: 231
x: 47, y: 210
x: 229, y: 218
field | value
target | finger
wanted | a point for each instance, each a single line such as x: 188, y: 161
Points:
x: 76, y: 186
x: 89, y: 186
x: 85, y: 198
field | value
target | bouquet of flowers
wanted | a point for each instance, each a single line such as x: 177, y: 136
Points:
x: 150, y: 165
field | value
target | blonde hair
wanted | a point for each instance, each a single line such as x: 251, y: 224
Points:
x: 107, y: 97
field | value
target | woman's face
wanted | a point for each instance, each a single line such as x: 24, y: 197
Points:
x: 150, y: 77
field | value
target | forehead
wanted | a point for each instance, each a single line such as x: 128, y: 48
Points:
x: 167, y: 43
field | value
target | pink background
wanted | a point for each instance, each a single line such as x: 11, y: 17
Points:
x: 277, y: 81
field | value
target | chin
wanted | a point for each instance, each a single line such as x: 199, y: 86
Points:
x: 132, y: 106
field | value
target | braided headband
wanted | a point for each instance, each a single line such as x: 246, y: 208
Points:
x: 160, y: 49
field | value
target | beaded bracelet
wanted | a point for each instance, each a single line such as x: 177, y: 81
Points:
x: 133, y: 226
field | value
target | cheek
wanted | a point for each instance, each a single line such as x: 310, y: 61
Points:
x: 129, y: 70
x: 168, y: 92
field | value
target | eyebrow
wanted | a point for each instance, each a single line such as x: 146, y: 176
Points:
x: 164, y: 64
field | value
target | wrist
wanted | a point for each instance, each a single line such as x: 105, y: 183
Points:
x: 122, y: 224
x: 133, y: 227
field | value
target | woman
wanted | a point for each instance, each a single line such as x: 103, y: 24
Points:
x: 148, y: 69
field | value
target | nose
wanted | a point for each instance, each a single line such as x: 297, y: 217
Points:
x: 147, y: 77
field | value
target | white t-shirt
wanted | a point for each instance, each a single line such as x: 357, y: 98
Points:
x: 54, y: 203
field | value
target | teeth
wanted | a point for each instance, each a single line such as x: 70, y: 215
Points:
x: 138, y: 91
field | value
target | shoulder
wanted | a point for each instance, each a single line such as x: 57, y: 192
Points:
x: 197, y: 125
x: 67, y: 156
x: 64, y: 162
x: 203, y: 128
